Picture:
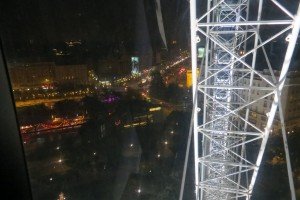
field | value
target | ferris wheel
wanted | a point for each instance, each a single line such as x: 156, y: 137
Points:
x: 234, y: 84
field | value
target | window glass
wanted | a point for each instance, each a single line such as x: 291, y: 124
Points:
x: 101, y: 95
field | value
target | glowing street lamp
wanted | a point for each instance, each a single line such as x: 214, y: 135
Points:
x: 139, y: 190
x: 61, y: 196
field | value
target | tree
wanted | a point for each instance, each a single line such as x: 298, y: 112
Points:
x: 66, y: 108
x: 95, y: 108
x: 132, y: 94
x: 174, y: 93
x: 157, y: 86
x: 33, y: 114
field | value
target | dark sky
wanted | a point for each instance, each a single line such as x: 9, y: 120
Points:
x: 103, y: 25
x: 57, y: 20
x: 100, y: 21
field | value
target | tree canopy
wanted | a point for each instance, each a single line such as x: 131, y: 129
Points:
x: 157, y: 86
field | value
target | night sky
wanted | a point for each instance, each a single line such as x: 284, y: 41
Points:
x: 32, y: 28
x: 132, y: 23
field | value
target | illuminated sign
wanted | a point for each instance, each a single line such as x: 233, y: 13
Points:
x: 135, y: 124
x: 189, y: 77
x: 200, y: 52
x: 182, y: 69
x: 155, y: 109
x: 135, y: 65
x: 135, y: 60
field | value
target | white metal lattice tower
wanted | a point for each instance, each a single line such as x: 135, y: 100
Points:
x: 235, y: 32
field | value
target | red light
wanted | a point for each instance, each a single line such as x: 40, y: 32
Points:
x: 182, y: 70
x: 117, y: 122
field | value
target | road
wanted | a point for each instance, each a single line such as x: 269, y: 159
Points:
x: 33, y: 102
x: 130, y: 82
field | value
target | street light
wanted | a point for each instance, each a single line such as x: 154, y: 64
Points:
x: 139, y: 190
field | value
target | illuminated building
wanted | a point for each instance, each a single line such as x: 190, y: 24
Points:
x: 144, y: 117
x: 135, y: 66
x: 39, y: 74
x: 75, y: 74
x: 290, y: 97
x: 31, y: 75
x: 189, y: 77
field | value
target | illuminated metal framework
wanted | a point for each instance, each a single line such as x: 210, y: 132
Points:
x: 233, y: 36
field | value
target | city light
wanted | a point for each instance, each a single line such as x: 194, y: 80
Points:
x: 143, y: 123
x: 61, y: 196
x: 139, y: 190
x: 80, y: 127
x: 155, y: 109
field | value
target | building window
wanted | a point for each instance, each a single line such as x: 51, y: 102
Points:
x: 265, y: 104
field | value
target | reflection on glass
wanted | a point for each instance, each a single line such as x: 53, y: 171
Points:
x: 99, y: 98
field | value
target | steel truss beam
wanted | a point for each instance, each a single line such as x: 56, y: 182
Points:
x: 230, y: 93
